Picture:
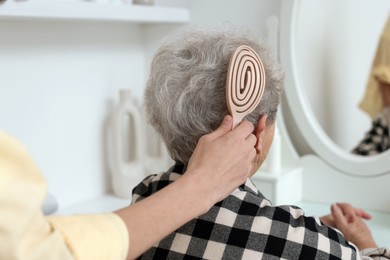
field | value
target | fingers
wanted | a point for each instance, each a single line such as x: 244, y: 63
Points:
x: 251, y: 140
x: 243, y: 130
x: 252, y: 154
x: 363, y: 214
x: 225, y: 127
x: 248, y: 163
x: 348, y: 211
x: 338, y: 216
x: 352, y: 212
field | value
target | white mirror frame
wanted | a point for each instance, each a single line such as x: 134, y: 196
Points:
x: 305, y: 120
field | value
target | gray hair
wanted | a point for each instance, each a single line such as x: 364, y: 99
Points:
x: 185, y: 96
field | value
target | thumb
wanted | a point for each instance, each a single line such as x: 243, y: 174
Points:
x: 225, y: 127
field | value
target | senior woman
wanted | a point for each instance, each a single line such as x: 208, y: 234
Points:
x: 186, y: 98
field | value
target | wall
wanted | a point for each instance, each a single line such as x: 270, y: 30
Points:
x: 244, y: 14
x: 336, y: 44
x: 247, y: 13
x: 59, y: 80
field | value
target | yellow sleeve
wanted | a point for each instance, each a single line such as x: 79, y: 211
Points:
x: 25, y: 233
x: 94, y: 236
x: 381, y: 68
x: 380, y: 72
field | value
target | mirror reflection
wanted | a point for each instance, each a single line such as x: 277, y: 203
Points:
x: 344, y: 65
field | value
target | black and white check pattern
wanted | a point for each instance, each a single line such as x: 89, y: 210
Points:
x: 245, y: 226
x: 377, y: 139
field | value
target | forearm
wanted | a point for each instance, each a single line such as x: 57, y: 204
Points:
x: 153, y: 218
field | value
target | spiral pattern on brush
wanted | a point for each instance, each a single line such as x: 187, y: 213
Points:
x: 245, y: 82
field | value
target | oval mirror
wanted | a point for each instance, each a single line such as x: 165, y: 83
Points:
x: 327, y: 48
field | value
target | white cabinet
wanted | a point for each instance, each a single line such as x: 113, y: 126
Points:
x: 283, y: 188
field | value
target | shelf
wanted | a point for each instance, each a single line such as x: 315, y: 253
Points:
x: 89, y: 11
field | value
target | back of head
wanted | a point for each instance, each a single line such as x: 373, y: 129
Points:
x: 185, y: 96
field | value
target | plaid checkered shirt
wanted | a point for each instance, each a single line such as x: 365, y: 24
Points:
x: 245, y: 226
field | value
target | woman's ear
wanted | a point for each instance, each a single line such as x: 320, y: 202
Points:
x: 259, y: 131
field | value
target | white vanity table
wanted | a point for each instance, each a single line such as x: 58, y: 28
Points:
x: 329, y: 174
